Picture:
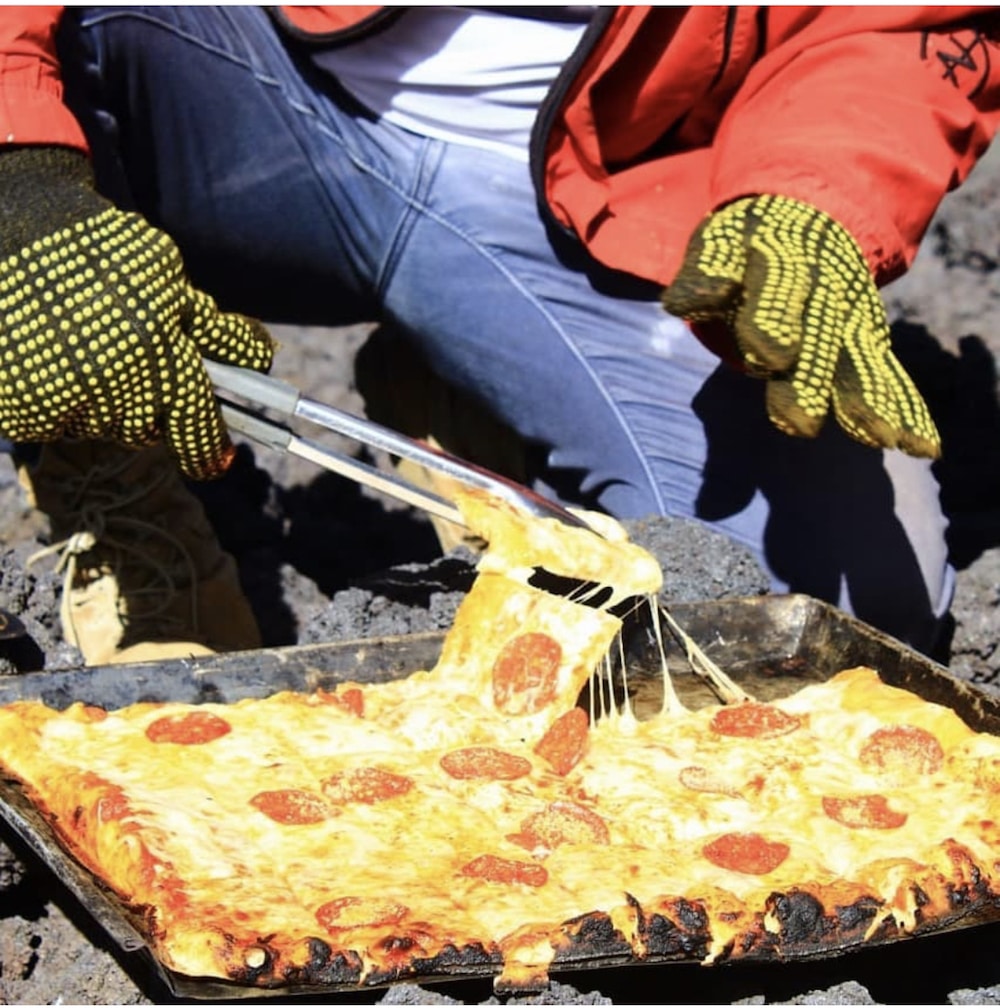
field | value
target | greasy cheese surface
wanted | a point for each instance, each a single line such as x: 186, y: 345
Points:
x: 395, y: 847
x: 473, y: 803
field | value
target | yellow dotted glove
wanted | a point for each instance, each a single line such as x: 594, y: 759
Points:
x: 793, y: 288
x: 101, y: 334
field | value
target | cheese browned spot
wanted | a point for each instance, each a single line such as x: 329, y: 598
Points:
x: 354, y: 911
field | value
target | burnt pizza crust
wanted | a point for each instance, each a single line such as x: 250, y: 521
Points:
x: 795, y: 924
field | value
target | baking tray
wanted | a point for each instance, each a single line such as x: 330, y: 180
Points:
x: 771, y: 645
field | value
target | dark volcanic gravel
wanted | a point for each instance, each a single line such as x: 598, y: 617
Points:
x: 322, y: 561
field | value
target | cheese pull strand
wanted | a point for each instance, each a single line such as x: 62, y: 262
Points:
x: 727, y: 690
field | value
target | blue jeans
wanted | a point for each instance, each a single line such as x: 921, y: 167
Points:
x: 291, y: 203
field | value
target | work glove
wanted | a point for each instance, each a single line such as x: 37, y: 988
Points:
x: 792, y: 287
x: 101, y: 335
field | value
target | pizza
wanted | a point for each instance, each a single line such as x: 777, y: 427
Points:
x: 479, y: 817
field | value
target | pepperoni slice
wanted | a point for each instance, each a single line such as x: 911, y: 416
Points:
x: 352, y: 911
x: 564, y: 744
x: 749, y: 853
x: 754, y: 720
x: 699, y: 778
x: 902, y: 748
x: 292, y: 807
x: 525, y: 673
x: 491, y: 868
x: 561, y: 822
x: 365, y: 784
x: 188, y: 728
x: 868, y: 811
x: 351, y: 699
x: 484, y: 762
x: 113, y: 804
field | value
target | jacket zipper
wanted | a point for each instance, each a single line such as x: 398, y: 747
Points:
x: 727, y: 45
x: 553, y: 100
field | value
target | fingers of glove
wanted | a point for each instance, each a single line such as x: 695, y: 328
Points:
x: 796, y: 410
x: 192, y: 424
x: 769, y: 324
x: 94, y: 336
x: 794, y: 264
x: 225, y: 336
x: 73, y: 336
x: 862, y: 405
x: 798, y: 401
x: 709, y: 283
x: 876, y: 402
x: 755, y: 263
x: 918, y: 434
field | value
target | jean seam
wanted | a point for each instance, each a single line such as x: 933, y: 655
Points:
x: 97, y: 18
x: 428, y: 162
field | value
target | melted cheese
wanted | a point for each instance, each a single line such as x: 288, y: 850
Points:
x: 250, y: 844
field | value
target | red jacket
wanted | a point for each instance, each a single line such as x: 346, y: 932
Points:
x: 869, y: 113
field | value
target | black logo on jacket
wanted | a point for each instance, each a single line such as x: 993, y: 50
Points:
x: 963, y: 55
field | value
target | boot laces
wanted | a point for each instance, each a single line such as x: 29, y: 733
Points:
x: 150, y: 564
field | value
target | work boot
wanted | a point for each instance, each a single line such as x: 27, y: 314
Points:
x: 402, y: 392
x: 146, y: 578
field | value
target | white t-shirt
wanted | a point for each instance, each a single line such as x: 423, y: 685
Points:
x: 466, y: 75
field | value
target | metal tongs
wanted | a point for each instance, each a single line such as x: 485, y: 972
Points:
x: 263, y: 392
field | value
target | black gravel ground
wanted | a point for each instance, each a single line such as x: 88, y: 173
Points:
x: 323, y: 561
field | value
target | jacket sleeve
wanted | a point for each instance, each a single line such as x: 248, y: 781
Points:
x: 31, y: 106
x: 871, y: 114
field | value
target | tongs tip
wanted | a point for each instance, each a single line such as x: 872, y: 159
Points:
x: 266, y: 392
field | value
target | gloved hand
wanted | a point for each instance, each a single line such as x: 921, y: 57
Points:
x: 794, y: 290
x: 101, y: 334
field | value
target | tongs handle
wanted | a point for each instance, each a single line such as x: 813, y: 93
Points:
x: 283, y: 398
x: 262, y: 390
x: 273, y: 435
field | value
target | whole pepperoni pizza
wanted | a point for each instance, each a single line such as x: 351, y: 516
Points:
x: 479, y: 817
